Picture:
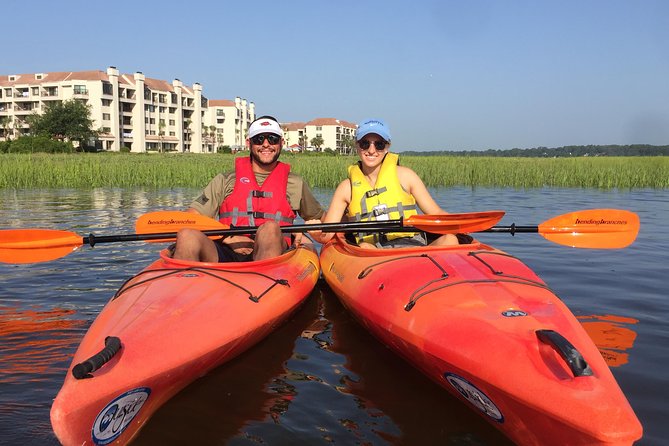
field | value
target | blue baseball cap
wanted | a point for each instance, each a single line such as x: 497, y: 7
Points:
x: 368, y: 126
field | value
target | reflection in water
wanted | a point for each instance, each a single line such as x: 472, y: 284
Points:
x: 37, y: 347
x: 35, y: 343
x: 611, y: 336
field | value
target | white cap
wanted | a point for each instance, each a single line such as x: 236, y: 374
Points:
x: 265, y: 126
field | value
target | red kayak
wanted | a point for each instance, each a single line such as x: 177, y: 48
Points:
x: 485, y: 327
x: 167, y: 326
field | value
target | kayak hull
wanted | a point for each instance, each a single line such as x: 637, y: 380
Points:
x: 485, y: 327
x: 176, y: 320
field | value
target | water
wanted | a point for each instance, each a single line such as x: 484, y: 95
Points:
x: 320, y: 378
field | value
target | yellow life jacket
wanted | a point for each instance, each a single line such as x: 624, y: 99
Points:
x: 386, y: 201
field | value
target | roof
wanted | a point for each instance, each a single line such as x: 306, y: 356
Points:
x: 330, y: 121
x: 221, y: 103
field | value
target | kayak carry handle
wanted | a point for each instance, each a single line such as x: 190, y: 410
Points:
x: 576, y: 362
x: 83, y: 369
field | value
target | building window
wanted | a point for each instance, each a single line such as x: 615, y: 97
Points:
x: 80, y: 89
x: 106, y: 116
x: 106, y: 102
x: 172, y: 122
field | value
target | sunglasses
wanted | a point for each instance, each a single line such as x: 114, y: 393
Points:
x: 380, y: 145
x: 271, y: 137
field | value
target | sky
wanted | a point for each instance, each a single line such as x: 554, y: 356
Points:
x: 444, y: 75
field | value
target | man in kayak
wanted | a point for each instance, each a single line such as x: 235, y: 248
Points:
x: 262, y: 191
x: 377, y: 188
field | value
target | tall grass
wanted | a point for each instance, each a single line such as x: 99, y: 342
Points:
x: 88, y: 170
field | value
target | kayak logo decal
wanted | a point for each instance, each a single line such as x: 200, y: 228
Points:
x: 339, y: 276
x: 475, y: 396
x: 306, y: 272
x: 513, y: 313
x: 117, y: 415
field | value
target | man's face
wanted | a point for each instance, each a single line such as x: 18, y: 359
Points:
x: 265, y: 148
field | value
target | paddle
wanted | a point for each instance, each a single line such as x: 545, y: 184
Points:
x: 41, y: 245
x: 594, y: 228
x: 591, y: 228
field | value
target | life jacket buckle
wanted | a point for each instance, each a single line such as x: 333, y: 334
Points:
x: 261, y: 194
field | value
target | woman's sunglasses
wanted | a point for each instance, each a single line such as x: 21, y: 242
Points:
x: 271, y: 137
x: 380, y: 145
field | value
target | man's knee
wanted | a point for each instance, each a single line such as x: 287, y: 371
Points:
x: 269, y: 229
x: 189, y: 237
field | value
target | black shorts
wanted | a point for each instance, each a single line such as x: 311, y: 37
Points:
x: 227, y: 254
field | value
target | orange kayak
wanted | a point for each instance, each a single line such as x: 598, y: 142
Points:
x: 164, y: 328
x: 485, y: 327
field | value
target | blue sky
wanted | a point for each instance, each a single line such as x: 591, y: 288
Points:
x: 446, y: 75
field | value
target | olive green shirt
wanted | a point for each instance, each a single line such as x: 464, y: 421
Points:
x: 298, y: 193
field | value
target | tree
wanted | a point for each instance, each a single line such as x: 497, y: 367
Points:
x: 302, y: 141
x: 347, y: 144
x: 317, y: 142
x: 161, y: 133
x: 5, y: 123
x: 65, y: 121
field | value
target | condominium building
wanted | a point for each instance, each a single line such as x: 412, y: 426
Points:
x: 293, y: 136
x: 129, y: 110
x: 334, y: 134
x: 229, y: 121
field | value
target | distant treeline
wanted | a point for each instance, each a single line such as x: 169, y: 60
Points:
x: 559, y: 152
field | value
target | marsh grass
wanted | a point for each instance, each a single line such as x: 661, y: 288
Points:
x: 87, y: 170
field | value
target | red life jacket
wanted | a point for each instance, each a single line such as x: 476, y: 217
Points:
x: 252, y: 205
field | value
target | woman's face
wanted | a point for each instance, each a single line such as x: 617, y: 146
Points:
x: 371, y: 149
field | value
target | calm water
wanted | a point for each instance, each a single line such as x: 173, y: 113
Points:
x: 321, y: 379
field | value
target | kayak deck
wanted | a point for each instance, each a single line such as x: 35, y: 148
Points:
x: 176, y: 320
x: 485, y: 327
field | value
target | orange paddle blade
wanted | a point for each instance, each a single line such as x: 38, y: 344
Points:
x: 592, y: 228
x: 455, y: 223
x: 173, y: 221
x: 36, y: 245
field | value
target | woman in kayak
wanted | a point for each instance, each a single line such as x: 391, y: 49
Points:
x: 377, y: 188
x: 261, y: 191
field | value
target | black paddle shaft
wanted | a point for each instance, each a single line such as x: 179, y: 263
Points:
x: 388, y: 225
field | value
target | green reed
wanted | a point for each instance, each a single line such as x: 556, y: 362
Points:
x: 87, y: 170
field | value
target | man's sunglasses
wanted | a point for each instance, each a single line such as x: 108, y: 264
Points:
x: 380, y: 145
x: 271, y: 137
